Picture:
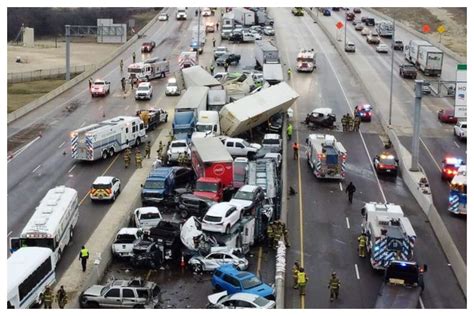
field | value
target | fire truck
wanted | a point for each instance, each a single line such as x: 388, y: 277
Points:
x: 306, y: 60
x: 390, y: 235
x: 326, y: 156
x: 149, y: 69
x: 457, y: 201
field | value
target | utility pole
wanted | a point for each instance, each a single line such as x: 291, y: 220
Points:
x: 345, y: 32
x: 391, y: 78
x: 198, y: 35
x: 415, y: 141
x: 68, y: 50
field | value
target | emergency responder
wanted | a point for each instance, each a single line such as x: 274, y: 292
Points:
x: 212, y: 69
x: 133, y: 57
x: 362, y: 239
x: 217, y: 26
x: 128, y: 151
x: 196, y: 13
x: 48, y: 297
x: 344, y: 123
x: 333, y: 286
x: 83, y: 256
x: 126, y: 159
x: 180, y: 159
x: 289, y: 73
x: 350, y: 189
x: 289, y: 131
x: 147, y: 149
x: 285, y: 234
x: 226, y: 66
x: 123, y: 83
x: 350, y: 122
x: 131, y: 83
x: 302, y: 281
x: 61, y: 297
x: 296, y: 147
x: 160, y: 149
x: 277, y: 232
x: 90, y: 84
x: 357, y: 120
x: 270, y: 234
x: 295, y: 270
x: 185, y: 158
x: 138, y: 158
x: 121, y: 65
x: 213, y: 42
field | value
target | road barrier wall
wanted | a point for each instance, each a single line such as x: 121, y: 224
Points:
x: 40, y: 74
x: 83, y: 76
x: 410, y: 178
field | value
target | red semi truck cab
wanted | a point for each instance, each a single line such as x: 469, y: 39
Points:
x: 213, y: 166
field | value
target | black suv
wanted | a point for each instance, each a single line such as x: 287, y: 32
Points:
x: 192, y: 205
x: 228, y: 58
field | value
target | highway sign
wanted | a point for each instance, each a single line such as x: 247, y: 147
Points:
x: 460, y: 101
x: 441, y: 29
x: 339, y: 25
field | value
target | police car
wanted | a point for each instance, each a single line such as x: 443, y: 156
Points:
x: 450, y: 166
x: 386, y: 163
x: 364, y: 111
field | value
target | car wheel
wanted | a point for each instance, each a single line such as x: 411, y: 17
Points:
x: 227, y: 230
x: 71, y: 234
x: 113, y: 197
x: 184, y: 213
x: 111, y: 152
x: 104, y: 154
x: 138, y: 306
x: 92, y: 305
x: 198, y: 268
x: 166, y: 118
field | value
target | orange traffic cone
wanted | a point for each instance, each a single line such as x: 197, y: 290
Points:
x: 182, y: 264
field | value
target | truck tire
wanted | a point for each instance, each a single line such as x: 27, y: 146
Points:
x: 111, y: 152
x: 138, y: 141
x: 104, y: 154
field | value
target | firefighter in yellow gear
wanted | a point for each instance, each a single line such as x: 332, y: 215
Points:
x: 357, y: 121
x: 295, y: 270
x: 344, y: 123
x: 350, y: 123
x: 61, y: 297
x: 334, y: 285
x: 160, y: 149
x: 126, y: 159
x: 270, y: 234
x: 138, y: 159
x: 362, y: 239
x: 302, y: 281
x: 284, y: 231
x: 147, y: 149
x: 277, y: 231
x: 48, y: 297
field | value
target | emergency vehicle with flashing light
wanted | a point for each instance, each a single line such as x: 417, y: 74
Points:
x: 306, y: 60
x: 449, y: 168
x: 386, y: 163
x: 105, y: 188
x: 364, y: 111
x: 326, y: 156
x: 457, y: 201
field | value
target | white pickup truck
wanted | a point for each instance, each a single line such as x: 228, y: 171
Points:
x: 124, y: 241
x: 240, y: 147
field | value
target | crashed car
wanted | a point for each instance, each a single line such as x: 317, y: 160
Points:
x: 100, y: 88
x: 238, y: 301
x: 320, y: 117
x: 146, y: 254
x: 147, y: 47
x: 216, y: 259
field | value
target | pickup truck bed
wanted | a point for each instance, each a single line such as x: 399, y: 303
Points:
x: 397, y: 296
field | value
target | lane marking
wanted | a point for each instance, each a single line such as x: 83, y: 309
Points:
x: 357, y: 271
x: 259, y: 261
x: 126, y: 108
x: 74, y: 166
x: 148, y: 275
x: 457, y: 145
x: 34, y: 170
x: 430, y: 154
x: 100, y: 107
x: 22, y: 149
x: 83, y: 123
x: 421, y: 303
x: 61, y: 144
x: 347, y: 222
x: 340, y: 186
x: 10, y: 233
x: 103, y: 173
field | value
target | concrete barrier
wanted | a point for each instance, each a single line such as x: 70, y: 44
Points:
x: 410, y: 178
x: 71, y: 83
x: 446, y: 50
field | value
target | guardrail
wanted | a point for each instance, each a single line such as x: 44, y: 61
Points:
x: 85, y: 75
x: 39, y: 74
x: 410, y: 178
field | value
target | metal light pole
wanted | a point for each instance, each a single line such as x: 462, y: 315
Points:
x: 391, y: 78
x: 415, y: 141
x: 345, y: 31
x: 68, y: 51
x: 198, y: 35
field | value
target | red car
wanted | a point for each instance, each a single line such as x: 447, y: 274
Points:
x: 447, y: 116
x: 147, y: 47
x: 450, y: 167
x: 350, y: 16
x: 364, y: 111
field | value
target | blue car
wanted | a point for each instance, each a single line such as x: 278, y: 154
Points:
x: 227, y: 278
x: 327, y: 12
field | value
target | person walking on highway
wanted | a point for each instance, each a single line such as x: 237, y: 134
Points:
x: 212, y: 69
x: 296, y: 148
x: 357, y: 120
x: 344, y: 123
x: 302, y: 281
x: 138, y: 158
x: 122, y: 81
x: 289, y: 73
x: 160, y: 149
x: 121, y: 65
x: 83, y: 256
x: 61, y: 297
x: 147, y: 150
x: 295, y: 270
x: 126, y: 158
x: 350, y: 189
x: 285, y: 234
x: 90, y: 83
x: 226, y: 66
x: 47, y: 297
x: 134, y: 57
x: 362, y: 239
x: 217, y: 26
x: 333, y: 286
x: 213, y: 42
x: 289, y: 131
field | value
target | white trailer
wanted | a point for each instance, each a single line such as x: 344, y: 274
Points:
x: 243, y: 16
x: 106, y: 138
x: 265, y: 53
x: 216, y: 98
x: 253, y: 110
x: 228, y: 20
x: 196, y: 76
x: 430, y: 60
x: 181, y: 14
x: 194, y: 100
x: 272, y: 73
x: 149, y: 69
x: 411, y: 50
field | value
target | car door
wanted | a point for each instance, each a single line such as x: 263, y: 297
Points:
x: 115, y: 185
x: 232, y: 216
x: 232, y: 285
x: 214, y: 261
x: 112, y: 298
x: 226, y: 258
x: 240, y: 149
x: 128, y: 298
x: 230, y: 147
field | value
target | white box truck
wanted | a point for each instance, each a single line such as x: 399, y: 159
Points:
x: 411, y: 50
x: 430, y: 60
x: 243, y: 16
x: 265, y: 53
x: 208, y: 125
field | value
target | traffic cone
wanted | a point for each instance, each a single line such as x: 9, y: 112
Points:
x: 182, y: 264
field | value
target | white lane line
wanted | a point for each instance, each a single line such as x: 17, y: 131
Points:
x: 340, y: 186
x: 457, y: 145
x: 431, y: 155
x: 421, y: 303
x: 74, y: 166
x: 34, y: 170
x: 126, y: 108
x: 83, y: 123
x: 347, y: 222
x: 350, y: 111
x: 357, y: 271
x: 61, y: 144
x: 100, y: 107
x: 10, y: 233
x: 22, y: 149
